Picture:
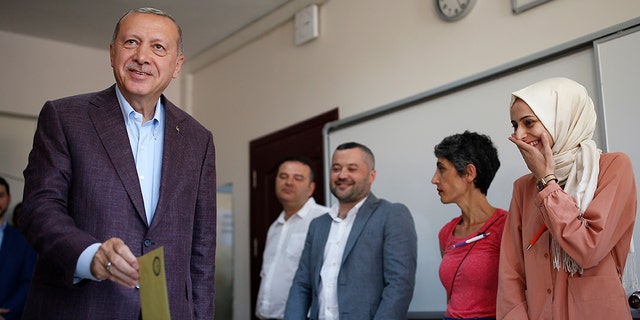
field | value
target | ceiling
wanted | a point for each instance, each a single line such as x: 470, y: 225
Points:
x: 90, y: 23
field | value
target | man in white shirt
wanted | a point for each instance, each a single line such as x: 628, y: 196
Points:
x: 359, y: 261
x: 285, y: 239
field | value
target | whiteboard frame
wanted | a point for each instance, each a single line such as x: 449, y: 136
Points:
x: 514, y: 67
x: 617, y: 136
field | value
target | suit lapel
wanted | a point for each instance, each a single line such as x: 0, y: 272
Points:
x: 172, y: 157
x: 321, y: 241
x: 109, y: 124
x: 363, y: 215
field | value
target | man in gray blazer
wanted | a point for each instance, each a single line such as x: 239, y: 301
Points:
x: 116, y: 174
x: 359, y: 260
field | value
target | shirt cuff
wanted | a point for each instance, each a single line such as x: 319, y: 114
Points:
x: 83, y: 267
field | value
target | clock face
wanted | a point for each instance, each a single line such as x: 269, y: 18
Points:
x: 452, y: 10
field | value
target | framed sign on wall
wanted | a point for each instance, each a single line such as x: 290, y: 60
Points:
x: 519, y: 6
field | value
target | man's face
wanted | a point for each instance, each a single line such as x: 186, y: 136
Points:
x: 293, y: 183
x: 5, y: 199
x: 351, y: 176
x: 144, y: 55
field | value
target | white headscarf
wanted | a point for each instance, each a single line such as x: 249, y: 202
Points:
x: 567, y: 112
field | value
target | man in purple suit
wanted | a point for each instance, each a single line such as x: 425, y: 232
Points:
x: 116, y: 174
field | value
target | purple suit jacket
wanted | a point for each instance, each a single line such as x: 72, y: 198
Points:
x: 81, y: 187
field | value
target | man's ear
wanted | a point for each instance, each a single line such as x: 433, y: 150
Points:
x: 312, y: 187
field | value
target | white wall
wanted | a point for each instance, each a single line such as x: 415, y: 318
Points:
x: 36, y: 70
x: 370, y: 53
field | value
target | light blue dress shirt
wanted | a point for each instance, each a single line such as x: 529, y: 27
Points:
x: 147, y: 141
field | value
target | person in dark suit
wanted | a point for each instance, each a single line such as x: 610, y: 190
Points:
x: 116, y: 174
x: 17, y: 259
x: 359, y: 260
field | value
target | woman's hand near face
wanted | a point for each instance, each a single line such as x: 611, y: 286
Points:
x: 539, y: 160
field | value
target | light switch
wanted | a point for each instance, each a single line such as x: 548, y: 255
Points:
x: 306, y: 24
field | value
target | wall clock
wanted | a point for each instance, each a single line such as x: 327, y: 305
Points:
x: 452, y: 10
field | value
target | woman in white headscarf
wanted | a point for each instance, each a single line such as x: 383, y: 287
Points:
x: 570, y: 221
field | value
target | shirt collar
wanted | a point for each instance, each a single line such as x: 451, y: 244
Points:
x: 334, y: 209
x: 302, y: 213
x: 127, y: 109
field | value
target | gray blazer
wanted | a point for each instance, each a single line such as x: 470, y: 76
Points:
x: 377, y: 274
x: 81, y: 187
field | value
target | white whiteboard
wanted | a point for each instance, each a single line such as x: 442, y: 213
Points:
x: 618, y: 73
x: 403, y: 142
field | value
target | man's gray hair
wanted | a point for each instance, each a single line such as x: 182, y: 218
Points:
x: 152, y: 11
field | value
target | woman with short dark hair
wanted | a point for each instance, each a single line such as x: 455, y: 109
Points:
x: 470, y: 243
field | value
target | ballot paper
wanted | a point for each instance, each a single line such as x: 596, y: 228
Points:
x: 154, y: 300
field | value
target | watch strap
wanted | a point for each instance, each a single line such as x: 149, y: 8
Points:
x: 544, y: 181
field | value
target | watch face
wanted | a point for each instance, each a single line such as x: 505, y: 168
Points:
x: 452, y: 10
